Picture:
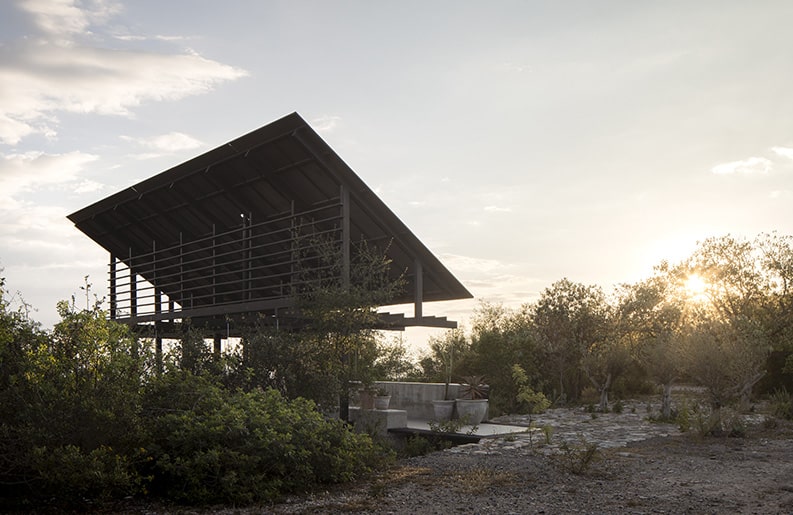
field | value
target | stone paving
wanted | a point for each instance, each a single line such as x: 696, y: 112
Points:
x: 573, y: 426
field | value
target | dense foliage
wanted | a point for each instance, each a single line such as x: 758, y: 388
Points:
x: 89, y: 411
x: 85, y: 416
x: 718, y: 319
x: 207, y: 444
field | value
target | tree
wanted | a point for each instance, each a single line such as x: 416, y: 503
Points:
x: 650, y: 321
x: 69, y: 406
x: 447, y: 353
x: 731, y: 331
x: 331, y: 338
x: 297, y: 364
x: 568, y: 319
x: 502, y: 338
x: 776, y: 259
x: 393, y: 363
x: 727, y: 357
x: 603, y: 362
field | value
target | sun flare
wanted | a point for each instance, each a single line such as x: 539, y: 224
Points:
x: 695, y: 286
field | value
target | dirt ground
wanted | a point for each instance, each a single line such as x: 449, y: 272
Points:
x: 674, y: 474
x: 660, y: 470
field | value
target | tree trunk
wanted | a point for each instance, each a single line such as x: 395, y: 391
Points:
x: 666, y: 401
x: 604, y: 400
x: 561, y: 385
x: 746, y: 390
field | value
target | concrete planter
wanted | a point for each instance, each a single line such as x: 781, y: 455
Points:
x: 366, y: 399
x: 381, y: 402
x: 472, y: 411
x: 443, y: 410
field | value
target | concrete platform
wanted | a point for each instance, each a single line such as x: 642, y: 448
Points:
x: 483, y: 430
x: 378, y: 421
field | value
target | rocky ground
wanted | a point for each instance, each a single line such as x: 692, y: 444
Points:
x: 639, y: 467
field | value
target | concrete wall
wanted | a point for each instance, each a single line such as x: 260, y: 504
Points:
x: 416, y: 398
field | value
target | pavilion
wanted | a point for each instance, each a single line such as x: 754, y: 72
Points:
x: 218, y: 238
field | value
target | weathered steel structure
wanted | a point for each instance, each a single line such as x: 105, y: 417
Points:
x: 220, y: 237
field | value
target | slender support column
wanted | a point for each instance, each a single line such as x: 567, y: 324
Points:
x: 214, y: 267
x: 243, y: 253
x: 216, y: 348
x: 345, y: 237
x: 158, y: 353
x: 133, y: 289
x: 419, y: 293
x: 113, y: 291
x: 249, y: 257
x: 181, y: 295
x: 156, y: 292
x: 344, y: 398
x: 294, y: 254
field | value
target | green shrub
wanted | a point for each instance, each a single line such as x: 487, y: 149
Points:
x: 532, y: 401
x: 733, y: 424
x: 452, y: 426
x: 418, y: 445
x: 210, y: 445
x: 72, y: 475
x: 781, y: 404
x: 683, y: 417
x: 547, y: 431
x: 577, y: 459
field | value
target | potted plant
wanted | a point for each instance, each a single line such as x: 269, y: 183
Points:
x: 473, y: 403
x: 366, y: 396
x: 444, y: 409
x: 381, y: 399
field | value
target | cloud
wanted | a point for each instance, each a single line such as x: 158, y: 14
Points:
x: 20, y: 173
x: 498, y: 209
x: 38, y: 235
x: 515, y: 67
x: 88, y: 186
x: 66, y: 18
x: 783, y: 152
x: 170, y: 143
x: 60, y: 72
x: 751, y: 165
x: 467, y: 264
x: 325, y: 123
x: 493, y: 279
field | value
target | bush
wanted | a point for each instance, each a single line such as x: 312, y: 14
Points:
x: 577, y: 459
x: 209, y: 445
x: 782, y: 404
x: 683, y: 417
x: 418, y: 445
x: 531, y: 401
x: 83, y: 418
x: 71, y: 475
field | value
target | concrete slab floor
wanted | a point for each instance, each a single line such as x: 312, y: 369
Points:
x: 484, y: 429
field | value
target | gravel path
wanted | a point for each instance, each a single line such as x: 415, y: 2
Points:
x: 636, y: 471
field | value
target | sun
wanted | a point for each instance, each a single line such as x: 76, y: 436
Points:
x: 695, y: 287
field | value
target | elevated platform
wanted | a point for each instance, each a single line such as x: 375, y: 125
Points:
x: 395, y: 421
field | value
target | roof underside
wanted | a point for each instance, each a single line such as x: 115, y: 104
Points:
x: 246, y: 195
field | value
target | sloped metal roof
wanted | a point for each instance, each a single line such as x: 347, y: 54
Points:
x: 281, y: 168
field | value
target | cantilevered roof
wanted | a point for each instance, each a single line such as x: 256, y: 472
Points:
x: 280, y: 169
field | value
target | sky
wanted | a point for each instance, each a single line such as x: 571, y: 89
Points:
x: 521, y: 141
